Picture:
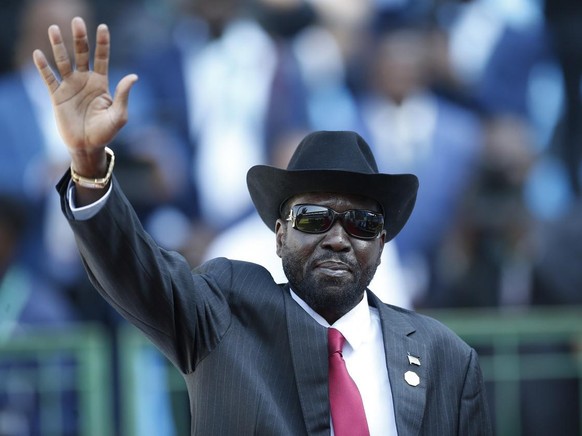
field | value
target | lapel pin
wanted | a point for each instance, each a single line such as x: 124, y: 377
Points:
x: 411, y: 378
x: 413, y: 360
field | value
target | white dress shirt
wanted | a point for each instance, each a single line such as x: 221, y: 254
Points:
x: 86, y: 212
x: 366, y: 362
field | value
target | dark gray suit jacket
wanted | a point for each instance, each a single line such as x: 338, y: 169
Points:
x: 255, y: 363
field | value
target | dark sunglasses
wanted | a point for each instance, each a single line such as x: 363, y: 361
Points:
x: 359, y: 223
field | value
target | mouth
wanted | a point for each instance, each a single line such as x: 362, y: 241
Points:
x: 333, y: 268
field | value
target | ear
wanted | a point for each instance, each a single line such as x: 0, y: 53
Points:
x: 382, y: 239
x: 280, y: 230
x: 382, y: 242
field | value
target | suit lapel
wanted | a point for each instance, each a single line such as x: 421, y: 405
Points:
x: 399, y: 343
x: 308, y: 343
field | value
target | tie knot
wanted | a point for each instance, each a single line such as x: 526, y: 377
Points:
x: 335, y: 341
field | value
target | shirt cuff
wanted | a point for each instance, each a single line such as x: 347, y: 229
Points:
x: 86, y: 212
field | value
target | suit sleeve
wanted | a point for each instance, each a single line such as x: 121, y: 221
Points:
x: 184, y: 314
x: 474, y: 411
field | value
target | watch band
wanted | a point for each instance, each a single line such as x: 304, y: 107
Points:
x: 87, y: 182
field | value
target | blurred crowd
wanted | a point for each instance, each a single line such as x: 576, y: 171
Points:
x: 480, y: 99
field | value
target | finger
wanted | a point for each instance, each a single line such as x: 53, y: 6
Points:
x: 101, y: 63
x: 59, y: 51
x: 81, y: 44
x: 45, y: 71
x: 121, y: 97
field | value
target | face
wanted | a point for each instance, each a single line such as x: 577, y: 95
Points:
x: 401, y: 64
x: 329, y: 271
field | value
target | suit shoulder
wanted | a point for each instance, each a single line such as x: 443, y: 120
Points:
x: 238, y: 271
x: 431, y: 329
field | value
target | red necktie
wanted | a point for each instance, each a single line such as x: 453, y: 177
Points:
x: 347, y: 409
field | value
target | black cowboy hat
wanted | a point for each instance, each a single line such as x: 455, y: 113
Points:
x: 333, y: 161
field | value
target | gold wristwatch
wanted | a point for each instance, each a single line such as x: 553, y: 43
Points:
x: 87, y: 182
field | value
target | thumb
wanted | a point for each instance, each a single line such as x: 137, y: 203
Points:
x: 121, y: 95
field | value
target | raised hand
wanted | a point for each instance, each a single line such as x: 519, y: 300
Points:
x: 87, y: 116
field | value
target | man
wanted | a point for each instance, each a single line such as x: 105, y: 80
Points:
x: 254, y: 354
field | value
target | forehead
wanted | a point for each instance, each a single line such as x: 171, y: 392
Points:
x: 337, y: 201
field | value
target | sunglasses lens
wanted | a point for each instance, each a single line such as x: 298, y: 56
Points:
x: 363, y: 224
x: 313, y: 219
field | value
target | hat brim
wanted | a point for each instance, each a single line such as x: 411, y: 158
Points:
x: 269, y: 187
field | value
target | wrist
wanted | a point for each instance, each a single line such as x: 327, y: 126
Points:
x: 92, y: 164
x: 93, y: 171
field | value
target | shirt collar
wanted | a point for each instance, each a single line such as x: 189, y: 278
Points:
x: 354, y: 325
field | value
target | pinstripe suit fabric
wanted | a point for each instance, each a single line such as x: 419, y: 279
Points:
x: 254, y: 362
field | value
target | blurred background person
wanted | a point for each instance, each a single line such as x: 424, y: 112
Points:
x: 27, y: 299
x: 31, y: 155
x: 487, y: 253
x: 28, y: 303
x: 563, y: 20
x: 415, y: 130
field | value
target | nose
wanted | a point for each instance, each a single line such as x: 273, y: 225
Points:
x: 336, y: 238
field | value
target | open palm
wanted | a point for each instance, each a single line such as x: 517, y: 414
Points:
x: 88, y: 117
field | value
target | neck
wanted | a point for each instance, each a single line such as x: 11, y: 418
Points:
x: 332, y: 311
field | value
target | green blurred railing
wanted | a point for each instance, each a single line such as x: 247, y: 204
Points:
x: 518, y: 346
x: 45, y: 359
x: 514, y: 347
